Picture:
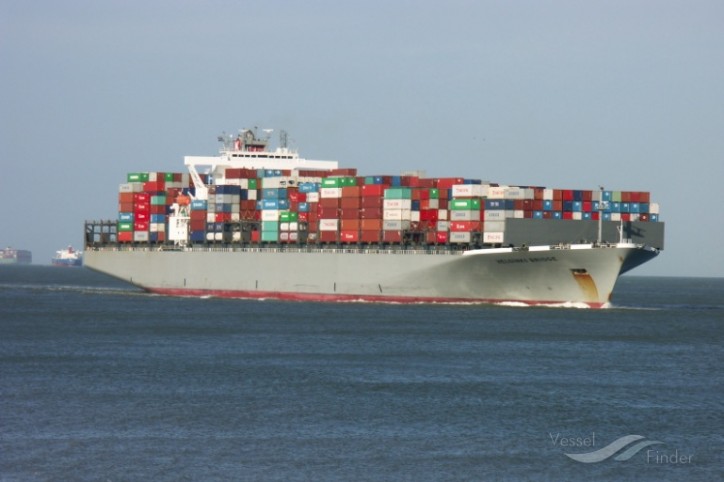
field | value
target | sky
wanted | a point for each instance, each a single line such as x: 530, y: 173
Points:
x: 627, y: 94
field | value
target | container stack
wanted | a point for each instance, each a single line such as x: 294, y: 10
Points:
x: 339, y: 207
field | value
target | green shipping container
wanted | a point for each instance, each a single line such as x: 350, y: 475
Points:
x: 137, y: 177
x: 270, y: 226
x: 332, y: 182
x: 168, y: 177
x: 434, y: 193
x: 158, y: 200
x: 616, y: 196
x: 349, y: 181
x: 270, y: 236
x: 254, y: 184
x: 465, y: 204
x: 287, y: 217
x: 398, y: 193
x: 125, y: 227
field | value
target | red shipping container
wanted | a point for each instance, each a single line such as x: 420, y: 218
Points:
x: 464, y: 226
x: 125, y: 197
x: 140, y: 226
x: 557, y: 195
x: 327, y: 213
x: 587, y: 206
x: 392, y: 236
x: 125, y: 236
x: 644, y: 197
x: 328, y: 236
x: 567, y: 195
x: 538, y: 193
x: 142, y: 216
x: 372, y: 202
x: 351, y: 191
x: 371, y: 224
x: 373, y: 190
x: 428, y: 215
x: 644, y: 217
x: 588, y: 195
x: 528, y: 214
x: 350, y: 224
x: 567, y: 215
x: 141, y: 197
x: 222, y: 217
x: 424, y: 194
x: 198, y: 216
x: 350, y: 203
x: 303, y: 217
x: 349, y: 213
x: 595, y: 215
x: 538, y: 205
x: 448, y: 182
x: 441, y: 237
x: 547, y: 214
x: 625, y: 216
x: 329, y: 202
x: 125, y: 208
x: 370, y: 213
x: 154, y: 186
x: 625, y: 197
x: 158, y: 209
x: 349, y: 236
x: 255, y: 236
x: 370, y: 236
x: 141, y: 207
x: 198, y: 224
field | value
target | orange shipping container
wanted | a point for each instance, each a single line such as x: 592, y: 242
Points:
x: 371, y: 224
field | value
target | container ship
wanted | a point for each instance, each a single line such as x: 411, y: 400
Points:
x: 15, y: 256
x: 67, y: 257
x: 257, y: 222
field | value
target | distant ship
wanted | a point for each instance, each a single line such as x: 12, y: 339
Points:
x: 68, y: 257
x: 15, y: 256
x: 254, y: 222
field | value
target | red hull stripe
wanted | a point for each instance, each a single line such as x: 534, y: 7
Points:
x: 284, y: 296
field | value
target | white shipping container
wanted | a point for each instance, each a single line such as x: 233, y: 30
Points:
x: 433, y: 204
x: 312, y: 197
x: 577, y: 216
x: 329, y: 224
x: 464, y: 215
x: 210, y: 217
x: 270, y: 215
x: 235, y: 207
x: 415, y: 216
x: 442, y: 214
x: 185, y: 178
x: 293, y: 226
x: 283, y: 226
x: 548, y: 194
x: 493, y: 214
x: 395, y: 225
x: 443, y: 226
x: 252, y: 195
x: 496, y: 192
x: 228, y: 182
x: 460, y: 237
x: 519, y: 214
x: 616, y: 217
x: 397, y: 204
x: 514, y: 193
x: 392, y: 214
x: 654, y: 208
x: 140, y: 236
x: 235, y: 216
x: 126, y: 187
x: 236, y: 236
x: 330, y: 192
x: 157, y: 227
x: 493, y: 237
x: 468, y: 190
x: 494, y: 226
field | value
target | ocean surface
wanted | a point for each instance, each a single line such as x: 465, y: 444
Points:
x: 100, y: 381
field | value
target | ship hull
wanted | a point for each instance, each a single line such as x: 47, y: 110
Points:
x: 67, y: 262
x: 538, y: 275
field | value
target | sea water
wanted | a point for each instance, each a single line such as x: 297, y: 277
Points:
x: 100, y: 381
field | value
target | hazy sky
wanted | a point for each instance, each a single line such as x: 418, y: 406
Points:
x: 566, y: 94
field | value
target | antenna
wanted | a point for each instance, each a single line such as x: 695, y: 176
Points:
x: 283, y: 139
